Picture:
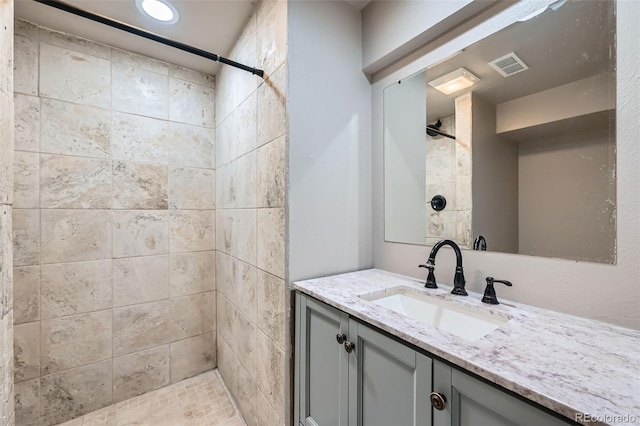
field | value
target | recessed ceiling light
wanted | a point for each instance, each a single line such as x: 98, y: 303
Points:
x: 159, y: 10
x: 454, y: 81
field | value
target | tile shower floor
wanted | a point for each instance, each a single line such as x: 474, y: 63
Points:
x: 199, y: 401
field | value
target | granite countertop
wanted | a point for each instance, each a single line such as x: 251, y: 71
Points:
x: 565, y: 363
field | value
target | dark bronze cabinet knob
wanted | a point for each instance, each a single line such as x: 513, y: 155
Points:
x: 438, y: 401
x: 341, y: 338
x: 349, y: 347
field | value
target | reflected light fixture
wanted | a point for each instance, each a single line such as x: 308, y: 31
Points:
x: 454, y: 81
x: 159, y: 10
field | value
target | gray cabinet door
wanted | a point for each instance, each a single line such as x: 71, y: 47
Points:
x: 389, y: 383
x: 322, y: 364
x: 472, y: 402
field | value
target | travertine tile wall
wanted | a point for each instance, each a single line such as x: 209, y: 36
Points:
x: 448, y: 173
x: 7, y: 416
x: 114, y: 225
x: 251, y: 201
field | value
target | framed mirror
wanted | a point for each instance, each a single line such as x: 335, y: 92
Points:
x: 509, y: 145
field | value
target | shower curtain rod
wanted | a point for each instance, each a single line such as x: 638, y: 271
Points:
x: 148, y: 35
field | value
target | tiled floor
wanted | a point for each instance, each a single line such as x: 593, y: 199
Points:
x: 199, y: 401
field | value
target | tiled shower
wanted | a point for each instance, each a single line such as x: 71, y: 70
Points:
x: 148, y: 223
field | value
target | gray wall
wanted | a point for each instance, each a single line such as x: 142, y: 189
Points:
x: 405, y: 166
x: 570, y: 196
x: 329, y: 109
x: 7, y: 416
x: 495, y: 180
x: 392, y: 29
x: 576, y: 287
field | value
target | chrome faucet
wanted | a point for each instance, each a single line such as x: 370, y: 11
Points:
x: 458, y: 279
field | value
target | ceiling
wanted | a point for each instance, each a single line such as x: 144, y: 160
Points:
x: 559, y: 47
x: 211, y: 25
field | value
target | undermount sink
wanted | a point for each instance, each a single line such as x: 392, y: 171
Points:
x: 466, y: 322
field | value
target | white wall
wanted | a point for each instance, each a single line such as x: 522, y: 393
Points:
x: 392, y: 29
x: 609, y: 293
x: 405, y: 114
x: 329, y: 116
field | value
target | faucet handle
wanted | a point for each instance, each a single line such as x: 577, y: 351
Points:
x: 431, y: 278
x: 490, y: 292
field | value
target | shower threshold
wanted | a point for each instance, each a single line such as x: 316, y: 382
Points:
x: 202, y: 400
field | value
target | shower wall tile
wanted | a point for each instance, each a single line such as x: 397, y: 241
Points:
x: 226, y: 186
x: 140, y: 372
x: 140, y: 279
x: 140, y: 186
x: 246, y: 291
x: 139, y: 91
x: 186, y: 74
x: 140, y: 139
x: 191, y: 103
x: 271, y: 173
x: 272, y: 38
x: 247, y: 395
x: 272, y: 107
x: 192, y: 230
x: 247, y: 221
x: 246, y: 343
x: 192, y: 188
x: 27, y: 122
x: 246, y: 132
x: 74, y: 182
x: 26, y: 294
x: 76, y: 77
x: 270, y: 376
x: 192, y: 273
x: 226, y: 275
x: 193, y: 315
x: 25, y: 62
x: 140, y: 327
x: 225, y: 322
x: 75, y: 235
x: 246, y: 180
x: 26, y: 29
x: 26, y: 350
x: 27, y: 402
x: 226, y: 140
x: 26, y: 178
x: 250, y: 221
x: 72, y: 42
x: 227, y: 228
x: 74, y: 341
x: 140, y: 233
x: 26, y: 237
x: 193, y: 356
x: 74, y: 288
x: 106, y: 277
x: 75, y: 392
x: 139, y: 61
x: 191, y: 146
x: 73, y: 129
x: 6, y: 149
x: 271, y: 241
x: 271, y: 292
x: 265, y: 414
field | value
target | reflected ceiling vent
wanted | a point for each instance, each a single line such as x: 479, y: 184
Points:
x: 508, y: 65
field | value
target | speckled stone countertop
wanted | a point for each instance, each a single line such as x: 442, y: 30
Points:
x: 565, y: 363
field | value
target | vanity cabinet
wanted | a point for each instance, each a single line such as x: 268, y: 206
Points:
x: 350, y: 374
x: 367, y: 379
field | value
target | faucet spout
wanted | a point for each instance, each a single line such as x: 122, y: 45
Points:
x: 458, y: 279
